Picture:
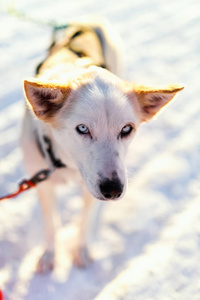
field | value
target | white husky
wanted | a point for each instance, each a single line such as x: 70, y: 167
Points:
x: 80, y: 121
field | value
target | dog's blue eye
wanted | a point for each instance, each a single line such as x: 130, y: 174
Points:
x: 126, y: 130
x: 82, y: 129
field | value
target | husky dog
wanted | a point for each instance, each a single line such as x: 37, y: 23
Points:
x: 79, y: 122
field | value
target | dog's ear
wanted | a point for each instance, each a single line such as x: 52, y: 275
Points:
x: 45, y: 98
x: 151, y: 100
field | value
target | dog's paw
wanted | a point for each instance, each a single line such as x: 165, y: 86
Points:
x: 81, y: 257
x: 46, y: 262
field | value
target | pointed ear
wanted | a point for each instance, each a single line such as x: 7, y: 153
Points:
x: 151, y: 100
x: 45, y: 98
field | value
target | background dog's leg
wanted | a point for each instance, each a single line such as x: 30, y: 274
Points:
x: 47, y: 199
x: 89, y: 221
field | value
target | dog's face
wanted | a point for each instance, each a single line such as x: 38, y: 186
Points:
x: 93, y: 117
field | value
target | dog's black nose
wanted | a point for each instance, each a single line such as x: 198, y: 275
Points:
x: 111, y: 189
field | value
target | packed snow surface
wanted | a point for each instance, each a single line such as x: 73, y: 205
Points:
x: 148, y: 244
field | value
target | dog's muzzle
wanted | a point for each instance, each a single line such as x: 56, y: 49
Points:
x: 111, y: 189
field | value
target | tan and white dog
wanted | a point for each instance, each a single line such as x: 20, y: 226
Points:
x: 80, y: 121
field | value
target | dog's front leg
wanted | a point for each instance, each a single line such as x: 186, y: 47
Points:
x: 88, y: 223
x: 47, y: 199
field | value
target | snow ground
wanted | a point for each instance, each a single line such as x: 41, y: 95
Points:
x: 148, y: 244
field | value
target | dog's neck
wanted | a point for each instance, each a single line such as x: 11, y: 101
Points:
x: 45, y: 131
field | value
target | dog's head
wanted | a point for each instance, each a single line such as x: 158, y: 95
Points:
x: 94, y: 116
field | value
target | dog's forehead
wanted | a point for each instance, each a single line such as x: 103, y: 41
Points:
x: 102, y: 100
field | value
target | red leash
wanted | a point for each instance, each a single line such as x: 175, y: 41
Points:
x: 29, y: 183
x: 1, y: 295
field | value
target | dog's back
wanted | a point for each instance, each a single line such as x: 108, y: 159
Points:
x: 81, y: 46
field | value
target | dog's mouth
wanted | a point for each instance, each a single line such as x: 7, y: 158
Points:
x: 106, y: 199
